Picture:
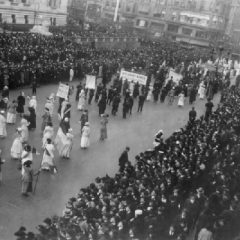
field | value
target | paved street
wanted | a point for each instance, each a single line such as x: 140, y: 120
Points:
x: 85, y: 165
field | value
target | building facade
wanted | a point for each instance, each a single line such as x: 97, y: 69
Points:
x: 193, y: 21
x: 233, y: 27
x: 48, y: 12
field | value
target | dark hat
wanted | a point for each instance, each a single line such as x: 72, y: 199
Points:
x: 48, y: 221
x: 27, y: 148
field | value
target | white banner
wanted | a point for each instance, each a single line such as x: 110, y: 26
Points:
x: 176, y: 77
x: 90, y: 81
x: 63, y: 90
x: 135, y: 77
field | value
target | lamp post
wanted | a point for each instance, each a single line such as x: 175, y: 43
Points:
x: 116, y: 11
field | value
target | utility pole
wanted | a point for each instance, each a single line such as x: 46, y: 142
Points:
x: 116, y: 11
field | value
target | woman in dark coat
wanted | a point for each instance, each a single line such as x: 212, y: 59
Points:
x: 102, y: 105
x: 31, y: 118
x: 21, y: 103
x: 192, y: 95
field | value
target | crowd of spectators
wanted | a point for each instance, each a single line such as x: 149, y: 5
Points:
x: 186, y: 184
x: 27, y: 58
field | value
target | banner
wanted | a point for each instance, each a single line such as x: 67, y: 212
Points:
x: 135, y: 77
x: 63, y: 90
x: 90, y: 81
x: 176, y: 77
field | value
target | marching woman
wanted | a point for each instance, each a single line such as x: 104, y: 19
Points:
x: 67, y: 144
x: 201, y: 90
x: 27, y: 178
x: 50, y: 104
x: 181, y: 99
x: 33, y: 102
x: 48, y: 157
x: 31, y: 118
x: 17, y: 148
x: 21, y: 103
x: 11, y: 114
x: 46, y: 119
x: 27, y: 171
x: 25, y: 132
x: 82, y: 100
x: 85, y: 139
x: 103, y: 130
x: 26, y: 156
x: 47, y: 134
x: 61, y: 139
x: 3, y: 130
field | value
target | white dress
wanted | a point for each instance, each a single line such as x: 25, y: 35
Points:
x: 85, y: 139
x: 50, y: 105
x: 16, y: 149
x: 201, y: 91
x: 3, y: 130
x: 67, y: 147
x: 48, y: 156
x: 33, y: 103
x: 26, y: 156
x: 47, y: 134
x: 11, y: 114
x: 25, y: 133
x: 81, y: 102
x: 71, y: 73
x: 181, y: 100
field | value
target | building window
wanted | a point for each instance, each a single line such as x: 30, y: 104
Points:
x: 51, y: 21
x: 24, y: 1
x: 187, y: 31
x: 159, y: 14
x: 54, y: 21
x: 172, y: 28
x: 109, y: 16
x: 26, y: 19
x: 202, y: 34
x: 158, y: 26
x: 128, y: 9
x: 13, y: 18
x: 174, y: 16
x: 0, y: 17
x: 142, y: 23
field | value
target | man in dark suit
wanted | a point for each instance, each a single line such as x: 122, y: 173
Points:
x: 192, y: 115
x: 141, y: 100
x: 123, y: 159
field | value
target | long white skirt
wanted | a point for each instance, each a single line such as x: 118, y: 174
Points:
x: 47, y: 135
x: 11, y: 117
x: 201, y: 92
x: 67, y: 149
x: 61, y: 142
x: 25, y: 134
x: 3, y: 130
x: 81, y: 104
x: 85, y: 142
x: 47, y: 162
x: 181, y: 102
x: 16, y: 149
